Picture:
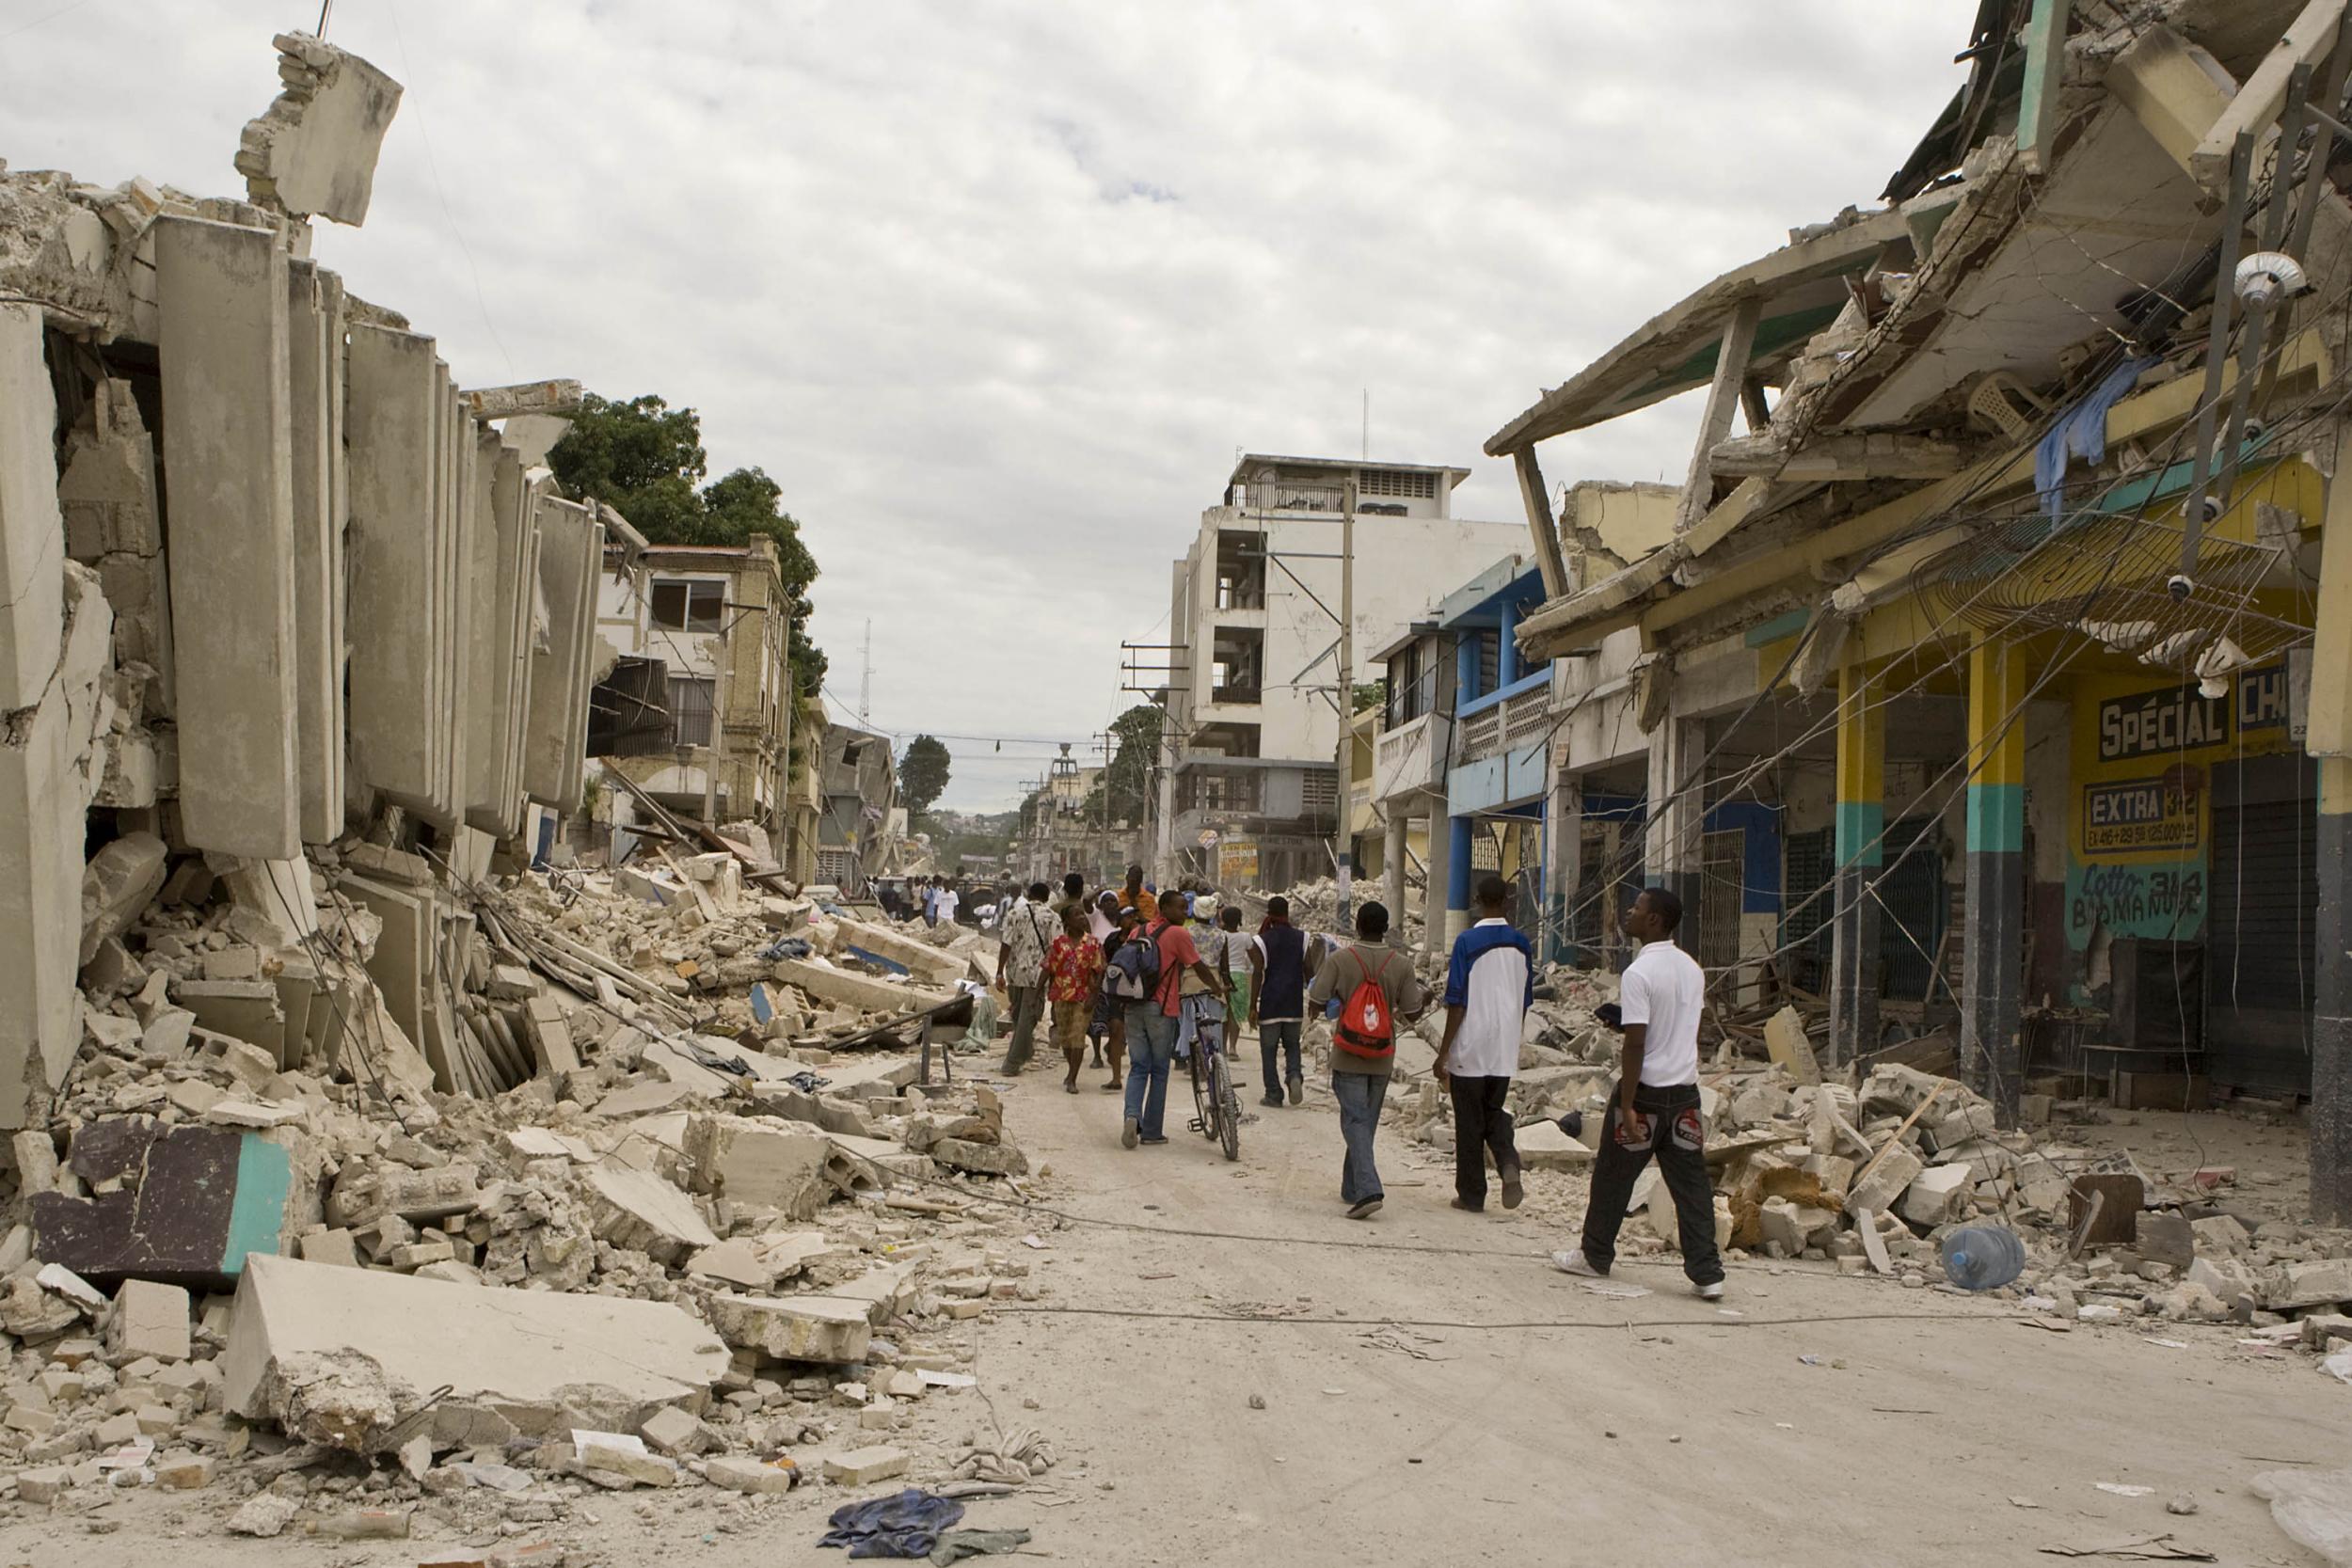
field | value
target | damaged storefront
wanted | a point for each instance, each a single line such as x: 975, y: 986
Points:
x: 2018, y: 603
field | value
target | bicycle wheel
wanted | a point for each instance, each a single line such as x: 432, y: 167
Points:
x: 1204, y: 1106
x: 1229, y: 1107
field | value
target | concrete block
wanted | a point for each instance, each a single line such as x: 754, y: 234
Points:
x: 794, y: 1328
x: 2228, y: 1280
x: 2294, y: 1286
x: 313, y: 151
x: 44, y: 1484
x: 1796, y: 1225
x: 1897, y: 1168
x: 243, y: 1010
x: 190, y: 1204
x: 571, y: 547
x: 1936, y: 1194
x: 228, y: 447
x: 769, y: 1166
x: 402, y: 965
x: 551, y: 1047
x: 674, y: 1431
x: 755, y: 1476
x: 365, y: 1193
x: 617, y: 1455
x: 865, y: 1467
x: 117, y: 883
x: 638, y: 1210
x: 149, y: 1320
x: 2166, y: 1237
x: 1970, y: 1122
x: 185, y: 1472
x: 336, y: 1355
x: 2220, y: 1235
x: 329, y: 1246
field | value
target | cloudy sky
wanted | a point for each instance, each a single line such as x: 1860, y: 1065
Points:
x: 998, y: 291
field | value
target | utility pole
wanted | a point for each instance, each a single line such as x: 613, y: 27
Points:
x: 1342, y: 852
x: 866, y: 679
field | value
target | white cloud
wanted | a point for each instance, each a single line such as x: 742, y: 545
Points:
x: 996, y: 290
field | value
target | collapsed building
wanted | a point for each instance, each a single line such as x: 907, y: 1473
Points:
x: 266, y: 571
x: 1998, y: 673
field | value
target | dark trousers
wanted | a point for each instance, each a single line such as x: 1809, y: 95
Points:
x: 1678, y: 1140
x: 1482, y: 1126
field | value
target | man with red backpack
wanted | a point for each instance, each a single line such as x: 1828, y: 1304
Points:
x: 1379, y: 993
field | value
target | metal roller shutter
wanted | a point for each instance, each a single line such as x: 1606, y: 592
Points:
x: 2263, y: 895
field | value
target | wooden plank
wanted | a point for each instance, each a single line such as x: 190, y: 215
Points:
x: 1723, y: 401
x: 2306, y: 42
x: 1541, y: 525
x: 2046, y: 71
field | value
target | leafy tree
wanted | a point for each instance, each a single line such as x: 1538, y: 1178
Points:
x: 645, y: 460
x: 922, y: 775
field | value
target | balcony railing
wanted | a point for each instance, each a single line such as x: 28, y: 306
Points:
x: 1410, y: 757
x: 1522, y: 716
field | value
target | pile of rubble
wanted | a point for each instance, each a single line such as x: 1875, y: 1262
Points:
x: 1872, y: 1171
x: 623, y: 1221
x: 1315, y: 907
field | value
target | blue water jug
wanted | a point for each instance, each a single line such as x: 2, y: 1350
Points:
x: 1982, y: 1258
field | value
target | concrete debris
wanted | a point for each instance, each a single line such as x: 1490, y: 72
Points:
x: 314, y: 151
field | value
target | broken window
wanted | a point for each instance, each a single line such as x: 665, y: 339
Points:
x: 690, y: 707
x: 680, y: 603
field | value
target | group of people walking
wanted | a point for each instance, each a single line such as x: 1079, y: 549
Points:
x: 1138, y: 976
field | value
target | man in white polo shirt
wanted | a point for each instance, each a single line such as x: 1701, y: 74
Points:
x: 1654, y: 1109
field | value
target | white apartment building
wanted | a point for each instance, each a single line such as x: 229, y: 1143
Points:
x: 1249, y: 750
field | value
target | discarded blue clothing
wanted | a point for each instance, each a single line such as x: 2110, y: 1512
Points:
x: 905, y: 1525
x: 2080, y: 432
x: 786, y: 947
x: 808, y: 1083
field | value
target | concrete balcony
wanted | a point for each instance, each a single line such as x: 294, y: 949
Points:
x: 1411, y: 756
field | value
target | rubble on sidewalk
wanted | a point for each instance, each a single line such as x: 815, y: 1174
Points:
x: 1869, y: 1168
x: 598, y: 1198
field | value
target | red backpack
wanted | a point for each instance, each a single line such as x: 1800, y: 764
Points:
x: 1365, y: 1028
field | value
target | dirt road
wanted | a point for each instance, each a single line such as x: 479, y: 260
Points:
x: 1831, y: 1422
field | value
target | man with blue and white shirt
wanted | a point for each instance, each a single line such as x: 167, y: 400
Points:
x: 1489, y: 985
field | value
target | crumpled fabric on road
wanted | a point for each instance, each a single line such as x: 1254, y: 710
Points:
x: 955, y: 1546
x: 907, y: 1524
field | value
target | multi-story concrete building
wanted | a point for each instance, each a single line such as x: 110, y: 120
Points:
x: 1251, y: 748
x: 862, y: 818
x: 718, y: 620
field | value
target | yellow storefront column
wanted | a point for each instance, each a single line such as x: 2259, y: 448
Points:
x: 1992, y: 958
x: 1853, y: 996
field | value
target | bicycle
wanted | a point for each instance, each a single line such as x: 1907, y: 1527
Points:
x: 1216, y: 1104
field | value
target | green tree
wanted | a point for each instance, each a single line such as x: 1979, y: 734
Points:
x: 645, y: 460
x: 922, y: 775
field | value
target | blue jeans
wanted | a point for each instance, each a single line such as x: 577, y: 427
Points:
x: 1277, y: 1047
x: 1361, y: 1096
x: 1150, y: 1049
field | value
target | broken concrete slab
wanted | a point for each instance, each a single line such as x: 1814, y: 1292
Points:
x: 340, y: 1355
x: 313, y: 151
x: 843, y: 987
x: 757, y: 1475
x: 748, y: 1162
x: 190, y: 1205
x: 1936, y: 1194
x: 981, y: 1158
x: 637, y: 1209
x: 118, y: 884
x: 228, y: 447
x: 864, y: 1466
x: 1891, y: 1175
x: 794, y: 1328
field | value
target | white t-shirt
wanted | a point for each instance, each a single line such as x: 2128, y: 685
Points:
x: 948, y: 899
x: 1238, y: 945
x: 1664, y: 988
x: 1494, y: 1015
